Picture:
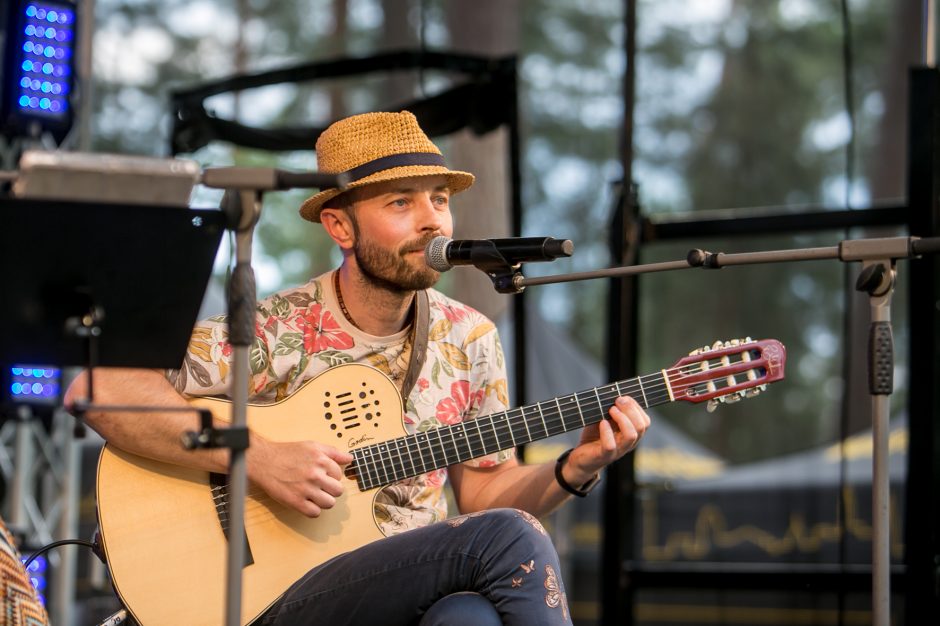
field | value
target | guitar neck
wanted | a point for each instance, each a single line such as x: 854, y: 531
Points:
x: 383, y: 463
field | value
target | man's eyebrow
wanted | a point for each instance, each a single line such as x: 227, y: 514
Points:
x: 406, y: 190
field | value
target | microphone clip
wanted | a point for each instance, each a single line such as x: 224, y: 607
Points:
x: 508, y: 281
x: 505, y: 274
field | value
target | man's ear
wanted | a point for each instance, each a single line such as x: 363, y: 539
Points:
x: 338, y: 226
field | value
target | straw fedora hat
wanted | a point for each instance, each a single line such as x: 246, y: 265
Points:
x: 377, y: 147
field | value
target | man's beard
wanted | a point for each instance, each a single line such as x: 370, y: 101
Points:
x: 390, y: 270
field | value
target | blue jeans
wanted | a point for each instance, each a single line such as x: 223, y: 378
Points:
x: 497, y: 567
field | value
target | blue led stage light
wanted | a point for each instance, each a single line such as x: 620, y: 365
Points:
x: 31, y: 384
x: 38, y: 67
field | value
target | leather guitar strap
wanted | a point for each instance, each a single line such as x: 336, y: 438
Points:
x: 419, y: 343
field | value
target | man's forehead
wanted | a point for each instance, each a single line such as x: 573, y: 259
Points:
x: 407, y: 185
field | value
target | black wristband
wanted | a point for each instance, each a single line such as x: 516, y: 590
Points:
x: 584, y: 489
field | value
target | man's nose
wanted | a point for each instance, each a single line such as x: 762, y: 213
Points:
x: 431, y: 216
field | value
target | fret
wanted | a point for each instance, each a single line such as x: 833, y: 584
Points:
x: 513, y: 421
x: 443, y: 450
x: 391, y: 467
x: 430, y: 450
x: 411, y: 460
x: 367, y: 462
x: 400, y: 472
x: 420, y: 450
x: 474, y: 449
x: 578, y: 405
x: 457, y: 435
x: 477, y: 421
x: 381, y: 453
x: 538, y: 405
x: 525, y: 422
x: 390, y: 464
x: 509, y: 427
x: 499, y: 444
x: 561, y: 415
x: 453, y: 440
x: 639, y: 380
x: 600, y: 405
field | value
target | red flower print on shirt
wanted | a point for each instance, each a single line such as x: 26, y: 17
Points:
x: 451, y: 410
x: 436, y: 478
x: 453, y: 313
x: 321, y: 331
x: 269, y: 324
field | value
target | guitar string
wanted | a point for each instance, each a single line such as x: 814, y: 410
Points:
x: 383, y: 467
x: 611, y: 391
x: 551, y: 419
x: 383, y: 450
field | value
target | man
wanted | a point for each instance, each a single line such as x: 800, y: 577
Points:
x: 483, y: 568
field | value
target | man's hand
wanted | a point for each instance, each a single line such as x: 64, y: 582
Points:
x: 303, y: 475
x: 603, y: 443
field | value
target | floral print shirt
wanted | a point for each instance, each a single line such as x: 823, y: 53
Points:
x: 301, y: 332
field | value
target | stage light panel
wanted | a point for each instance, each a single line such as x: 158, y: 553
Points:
x: 35, y: 385
x: 38, y: 67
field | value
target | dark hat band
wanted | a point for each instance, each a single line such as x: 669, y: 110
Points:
x: 393, y: 160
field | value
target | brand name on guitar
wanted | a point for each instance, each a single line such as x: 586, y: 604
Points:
x: 355, y: 442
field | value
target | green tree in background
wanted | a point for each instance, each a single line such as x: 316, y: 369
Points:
x: 771, y: 130
x: 739, y: 104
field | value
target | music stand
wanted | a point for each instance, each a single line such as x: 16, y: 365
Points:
x: 139, y: 271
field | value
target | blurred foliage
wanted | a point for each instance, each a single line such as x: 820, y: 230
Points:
x: 740, y: 103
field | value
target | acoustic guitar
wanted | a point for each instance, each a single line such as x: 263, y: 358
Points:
x: 163, y: 526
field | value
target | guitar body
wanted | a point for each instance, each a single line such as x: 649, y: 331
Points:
x: 161, y: 531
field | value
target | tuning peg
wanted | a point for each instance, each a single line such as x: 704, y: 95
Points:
x: 750, y: 393
x: 711, y: 405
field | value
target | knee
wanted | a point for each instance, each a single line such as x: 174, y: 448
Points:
x: 462, y: 609
x: 521, y: 526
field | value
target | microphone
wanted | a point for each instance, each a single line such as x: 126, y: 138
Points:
x: 443, y: 253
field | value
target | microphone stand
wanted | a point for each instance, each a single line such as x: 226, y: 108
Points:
x: 877, y: 278
x: 242, y: 205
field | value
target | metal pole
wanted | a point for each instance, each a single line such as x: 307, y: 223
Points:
x: 241, y: 334
x: 23, y: 460
x: 930, y: 33
x: 63, y: 576
x: 880, y: 381
x: 86, y: 36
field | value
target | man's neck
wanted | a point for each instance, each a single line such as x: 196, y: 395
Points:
x: 374, y: 310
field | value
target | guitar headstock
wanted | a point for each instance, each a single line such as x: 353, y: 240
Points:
x: 727, y: 371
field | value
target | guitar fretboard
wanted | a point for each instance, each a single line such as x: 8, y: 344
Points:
x: 387, y: 462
